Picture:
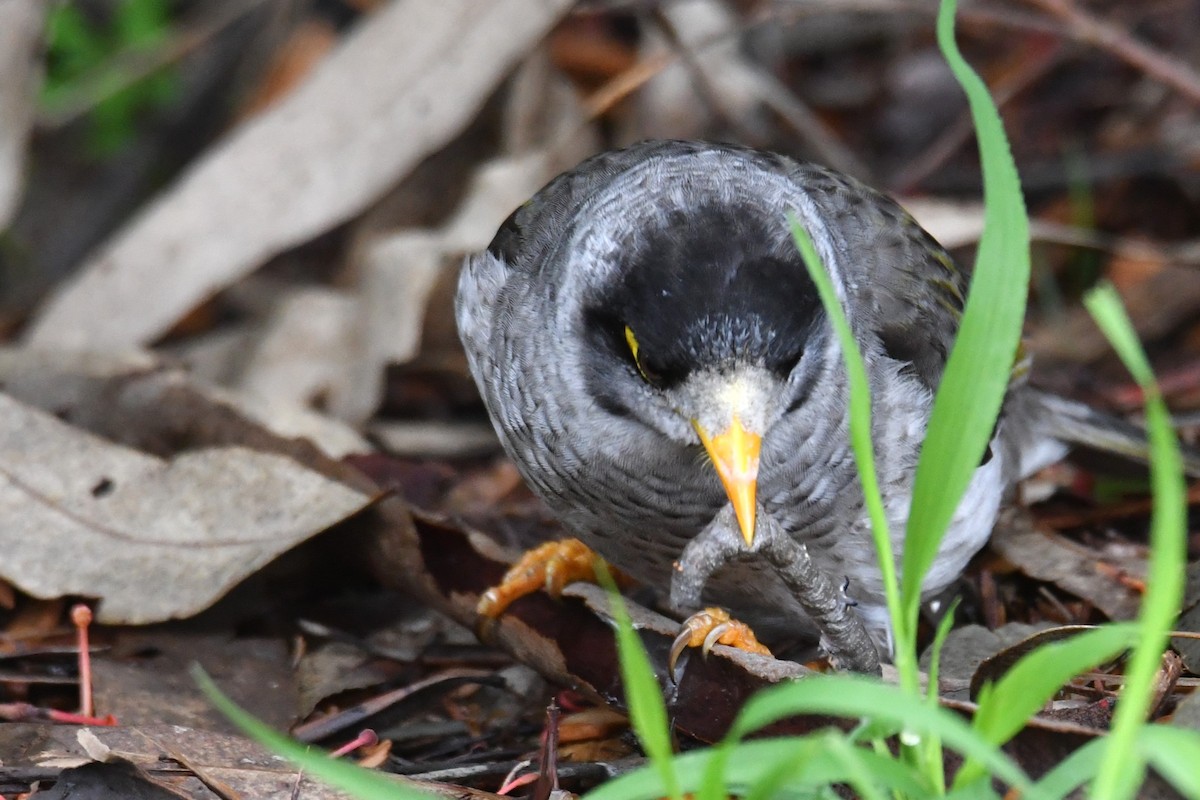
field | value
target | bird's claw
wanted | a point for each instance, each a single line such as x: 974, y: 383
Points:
x: 550, y: 566
x: 844, y: 596
x: 710, y: 627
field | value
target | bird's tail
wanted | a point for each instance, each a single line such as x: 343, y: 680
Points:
x: 1076, y: 424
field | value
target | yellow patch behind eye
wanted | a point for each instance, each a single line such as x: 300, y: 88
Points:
x: 632, y: 341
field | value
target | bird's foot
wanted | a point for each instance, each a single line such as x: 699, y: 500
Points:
x: 843, y: 632
x: 714, y: 626
x: 550, y: 567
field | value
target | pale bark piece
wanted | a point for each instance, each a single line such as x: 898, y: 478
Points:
x: 709, y: 78
x: 953, y: 223
x: 20, y: 41
x: 429, y: 439
x: 671, y: 104
x: 138, y: 399
x: 152, y: 539
x: 302, y: 358
x: 402, y: 272
x: 410, y: 78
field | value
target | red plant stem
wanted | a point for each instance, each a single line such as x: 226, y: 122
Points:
x: 25, y: 712
x: 67, y: 718
x: 518, y: 782
x: 81, y: 618
x: 366, y: 738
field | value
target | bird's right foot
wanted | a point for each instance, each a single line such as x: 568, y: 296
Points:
x: 550, y: 566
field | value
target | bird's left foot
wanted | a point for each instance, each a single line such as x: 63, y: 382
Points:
x: 849, y: 643
x: 714, y: 626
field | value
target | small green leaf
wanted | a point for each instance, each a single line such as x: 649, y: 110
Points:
x: 1005, y: 707
x: 1073, y: 771
x: 1174, y: 753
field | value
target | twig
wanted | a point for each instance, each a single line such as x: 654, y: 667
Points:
x: 963, y: 128
x: 1165, y: 68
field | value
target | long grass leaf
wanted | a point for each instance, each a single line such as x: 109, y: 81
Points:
x: 1174, y: 753
x: 365, y: 784
x: 1123, y: 767
x: 855, y: 697
x: 779, y: 767
x: 643, y: 694
x: 862, y: 444
x: 979, y: 367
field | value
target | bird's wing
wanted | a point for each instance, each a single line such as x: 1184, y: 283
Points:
x: 518, y: 247
x: 523, y: 239
x: 539, y: 223
x: 1079, y: 425
x: 901, y: 283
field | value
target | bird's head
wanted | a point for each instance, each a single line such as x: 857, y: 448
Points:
x: 709, y: 330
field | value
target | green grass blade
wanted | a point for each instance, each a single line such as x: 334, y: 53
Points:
x: 1005, y: 707
x: 1073, y: 771
x: 931, y: 748
x: 1124, y: 765
x: 864, y: 449
x: 1175, y: 753
x: 643, y: 695
x: 978, y: 369
x: 366, y: 784
x: 779, y: 767
x: 854, y: 697
x: 859, y: 772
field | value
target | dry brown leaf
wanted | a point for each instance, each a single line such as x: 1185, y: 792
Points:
x: 968, y: 646
x: 143, y: 677
x: 406, y: 81
x: 1047, y: 556
x: 20, y: 40
x: 1157, y: 305
x: 1189, y: 621
x: 1187, y: 713
x: 153, y: 539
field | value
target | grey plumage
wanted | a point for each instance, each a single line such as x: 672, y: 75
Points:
x: 687, y: 247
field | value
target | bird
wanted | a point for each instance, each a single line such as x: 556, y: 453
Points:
x: 654, y: 357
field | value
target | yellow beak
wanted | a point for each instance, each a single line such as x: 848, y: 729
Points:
x: 735, y: 455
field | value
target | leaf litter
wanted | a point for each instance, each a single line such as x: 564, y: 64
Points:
x: 299, y: 438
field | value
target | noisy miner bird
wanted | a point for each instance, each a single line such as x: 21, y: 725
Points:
x: 656, y: 360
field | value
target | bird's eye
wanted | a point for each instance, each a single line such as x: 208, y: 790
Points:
x: 650, y: 375
x: 785, y: 364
